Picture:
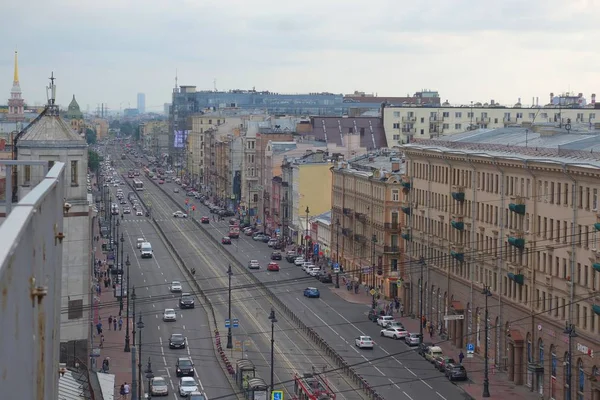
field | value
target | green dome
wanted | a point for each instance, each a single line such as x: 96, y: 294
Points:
x: 73, y: 112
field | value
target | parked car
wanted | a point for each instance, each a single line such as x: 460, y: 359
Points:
x: 423, y: 348
x: 325, y: 278
x: 364, y: 342
x: 394, y: 333
x: 440, y: 362
x: 455, y: 372
x: 290, y: 256
x: 433, y: 352
x: 413, y: 339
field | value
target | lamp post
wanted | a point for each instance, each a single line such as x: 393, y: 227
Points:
x: 133, y: 297
x: 421, y: 263
x: 306, y: 236
x: 373, y: 241
x: 570, y: 330
x: 229, y: 335
x: 486, y: 382
x: 140, y: 326
x: 337, y: 253
x: 149, y: 376
x: 273, y: 320
x: 127, y: 348
x: 119, y: 267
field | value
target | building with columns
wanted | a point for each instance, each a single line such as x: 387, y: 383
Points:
x: 16, y: 104
x: 521, y: 222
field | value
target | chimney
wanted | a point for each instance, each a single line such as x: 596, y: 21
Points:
x: 537, y: 101
x: 551, y: 97
x: 533, y: 101
x: 492, y: 102
x: 593, y: 98
x: 395, y: 166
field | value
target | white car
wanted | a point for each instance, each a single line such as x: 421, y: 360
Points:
x: 299, y: 261
x: 139, y: 242
x: 187, y: 385
x: 169, y: 315
x: 385, y: 320
x: 253, y: 264
x: 364, y: 342
x: 139, y: 213
x: 126, y: 211
x: 179, y: 214
x: 313, y: 271
x: 394, y: 333
x: 175, y: 287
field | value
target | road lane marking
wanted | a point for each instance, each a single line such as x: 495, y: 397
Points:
x: 406, y: 394
x: 409, y: 370
x: 426, y: 384
x: 439, y: 394
x: 393, y: 383
x: 183, y: 327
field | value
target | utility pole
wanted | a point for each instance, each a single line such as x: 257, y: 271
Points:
x: 373, y: 241
x: 486, y: 382
x: 570, y: 330
x: 133, y: 297
x: 273, y: 320
x: 120, y: 267
x: 421, y: 263
x: 229, y: 335
x: 140, y: 326
x: 306, y: 236
x: 127, y: 348
x: 149, y: 375
x: 337, y: 253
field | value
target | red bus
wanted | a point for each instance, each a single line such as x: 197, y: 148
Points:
x: 312, y: 387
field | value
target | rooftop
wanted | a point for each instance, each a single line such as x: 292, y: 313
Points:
x: 334, y: 129
x: 384, y: 161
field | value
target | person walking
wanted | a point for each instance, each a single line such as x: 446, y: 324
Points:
x: 99, y: 326
x: 115, y: 323
x: 110, y: 321
x: 126, y: 390
x: 120, y: 323
x: 461, y: 356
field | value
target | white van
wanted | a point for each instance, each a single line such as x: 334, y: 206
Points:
x: 146, y: 250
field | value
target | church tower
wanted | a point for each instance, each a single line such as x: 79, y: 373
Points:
x: 16, y: 104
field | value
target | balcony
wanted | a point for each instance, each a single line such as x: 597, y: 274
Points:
x: 393, y: 226
x: 460, y: 256
x: 483, y: 120
x: 457, y: 223
x: 361, y: 217
x: 517, y: 278
x: 346, y: 232
x: 409, y: 119
x: 516, y: 241
x: 406, y: 236
x: 597, y: 224
x: 406, y: 210
x: 409, y: 131
x: 433, y: 119
x: 347, y: 212
x: 405, y: 183
x: 360, y: 238
x: 391, y: 249
x: 458, y: 193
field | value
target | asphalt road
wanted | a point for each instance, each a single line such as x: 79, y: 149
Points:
x: 293, y: 352
x: 151, y: 277
x: 391, y: 367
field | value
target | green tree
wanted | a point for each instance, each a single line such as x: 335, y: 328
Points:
x: 90, y: 136
x: 127, y: 129
x: 137, y: 133
x: 94, y: 160
x: 114, y: 124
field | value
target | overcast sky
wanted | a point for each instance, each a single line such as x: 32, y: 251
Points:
x: 108, y: 51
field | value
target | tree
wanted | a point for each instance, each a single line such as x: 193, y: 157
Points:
x: 137, y: 133
x: 114, y: 124
x: 126, y: 129
x: 90, y: 136
x: 94, y: 160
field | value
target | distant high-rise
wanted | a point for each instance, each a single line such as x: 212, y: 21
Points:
x: 16, y: 104
x: 141, y: 103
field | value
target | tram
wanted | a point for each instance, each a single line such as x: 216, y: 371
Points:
x: 312, y: 387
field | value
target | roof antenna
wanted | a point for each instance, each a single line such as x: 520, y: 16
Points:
x: 51, y: 95
x: 176, y: 78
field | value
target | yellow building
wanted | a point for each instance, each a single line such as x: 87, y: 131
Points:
x: 100, y: 126
x: 367, y: 221
x: 404, y: 123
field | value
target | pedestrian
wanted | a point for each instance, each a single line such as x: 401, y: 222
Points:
x: 99, y: 326
x: 431, y: 331
x: 126, y: 390
x: 115, y: 323
x: 105, y: 365
x: 461, y: 356
x: 122, y: 391
x: 120, y: 323
x: 101, y: 340
x: 110, y: 321
x: 401, y: 310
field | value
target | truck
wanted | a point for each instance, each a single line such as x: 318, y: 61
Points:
x: 234, y: 231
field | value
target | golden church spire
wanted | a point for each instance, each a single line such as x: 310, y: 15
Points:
x: 16, y: 78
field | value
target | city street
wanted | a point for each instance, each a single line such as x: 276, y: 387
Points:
x: 293, y: 352
x: 391, y: 367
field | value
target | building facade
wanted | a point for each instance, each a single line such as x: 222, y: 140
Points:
x: 521, y: 223
x: 141, y: 102
x: 367, y: 221
x: 74, y: 115
x: 404, y: 124
x: 155, y: 137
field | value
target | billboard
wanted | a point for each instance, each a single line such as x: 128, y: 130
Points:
x: 180, y: 138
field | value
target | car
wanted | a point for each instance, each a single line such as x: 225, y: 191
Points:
x: 290, y: 256
x: 423, y: 348
x: 139, y: 242
x: 312, y: 292
x: 273, y: 266
x: 259, y: 237
x: 161, y: 182
x: 432, y: 353
x: 394, y: 333
x: 186, y: 386
x: 455, y: 372
x: 177, y: 341
x: 186, y: 301
x: 440, y: 362
x: 184, y: 367
x: 313, y: 271
x: 271, y: 242
x: 175, y: 287
x: 159, y: 386
x: 197, y: 396
x: 205, y: 220
x: 127, y: 211
x: 299, y: 261
x: 325, y: 278
x: 176, y: 190
x: 276, y: 255
x: 413, y: 339
x: 123, y: 201
x: 169, y: 315
x: 253, y: 264
x: 179, y: 214
x: 139, y: 213
x: 384, y: 320
x: 364, y: 342
x: 395, y: 324
x: 226, y: 240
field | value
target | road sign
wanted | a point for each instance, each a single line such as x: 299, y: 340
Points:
x: 277, y: 395
x: 336, y: 267
x: 227, y: 323
x: 470, y: 347
x: 453, y: 317
x: 236, y: 323
x: 372, y: 292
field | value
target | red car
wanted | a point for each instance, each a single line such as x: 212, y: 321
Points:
x: 273, y: 266
x: 205, y: 220
x: 161, y: 182
x: 227, y: 240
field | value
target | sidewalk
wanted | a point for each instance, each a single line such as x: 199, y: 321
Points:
x: 114, y: 341
x: 499, y: 385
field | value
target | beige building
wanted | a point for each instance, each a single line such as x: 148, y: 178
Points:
x: 367, y: 197
x: 155, y: 136
x: 522, y: 222
x: 403, y: 124
x: 100, y: 126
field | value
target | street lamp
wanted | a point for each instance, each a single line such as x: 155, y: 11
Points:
x: 306, y: 236
x: 570, y: 330
x: 373, y: 241
x: 149, y: 375
x: 119, y: 267
x: 127, y: 348
x: 133, y: 297
x: 273, y: 320
x: 337, y: 253
x: 229, y: 336
x: 421, y: 263
x: 486, y: 382
x: 140, y: 326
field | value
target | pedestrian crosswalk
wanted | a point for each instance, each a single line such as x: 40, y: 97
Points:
x: 138, y: 220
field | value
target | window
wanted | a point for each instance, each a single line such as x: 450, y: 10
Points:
x: 75, y: 309
x: 396, y: 125
x: 580, y: 381
x: 50, y: 164
x: 457, y: 115
x: 27, y: 174
x: 395, y: 195
x: 73, y: 172
x: 457, y: 126
x: 396, y: 114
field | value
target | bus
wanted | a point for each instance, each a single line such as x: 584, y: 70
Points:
x: 138, y: 184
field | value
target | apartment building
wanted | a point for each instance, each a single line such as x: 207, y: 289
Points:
x: 523, y: 223
x: 403, y: 124
x: 367, y: 220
